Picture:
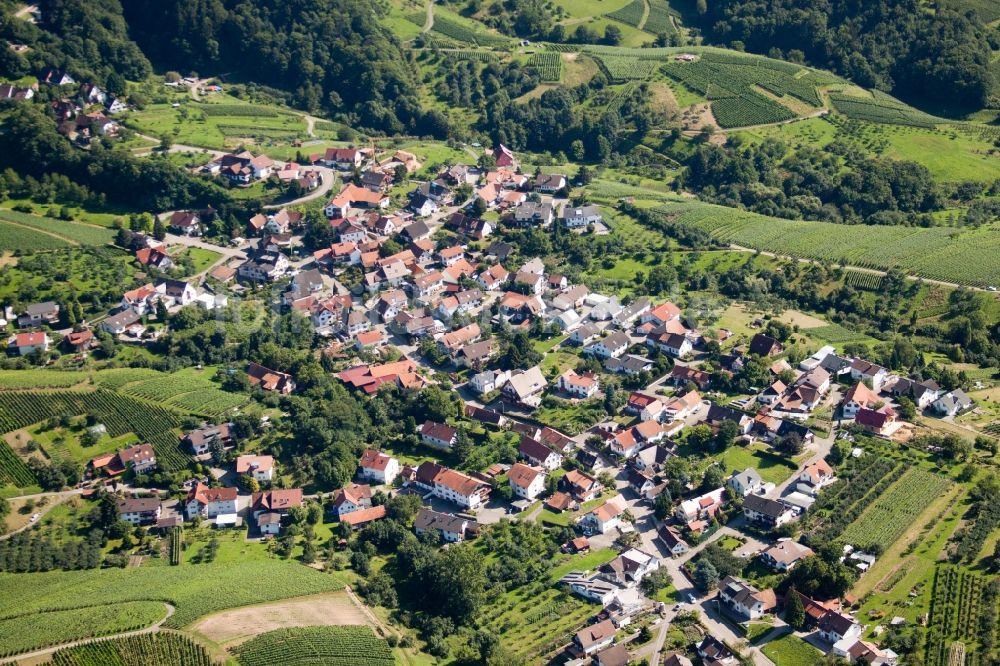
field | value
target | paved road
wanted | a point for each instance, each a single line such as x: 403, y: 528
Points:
x: 329, y: 179
x: 152, y: 629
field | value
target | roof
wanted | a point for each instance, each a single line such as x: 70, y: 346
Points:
x: 277, y: 500
x: 30, y: 339
x: 461, y: 484
x: 203, y: 494
x: 528, y: 382
x: 836, y: 623
x: 433, y: 520
x: 861, y: 394
x: 523, y: 476
x: 611, y: 508
x: 763, y: 344
x: 533, y: 449
x: 136, y: 453
x: 364, y: 515
x: 246, y: 464
x: 138, y: 504
x: 787, y: 552
x: 439, y: 431
x: 372, y: 459
x: 817, y: 470
x: 595, y: 633
x: 765, y: 506
x: 616, y: 655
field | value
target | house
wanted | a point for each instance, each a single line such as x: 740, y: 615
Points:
x: 453, y: 341
x: 525, y: 387
x: 378, y: 467
x: 859, y: 397
x: 747, y: 482
x: 952, y: 403
x: 526, y: 482
x: 629, y: 364
x: 141, y: 299
x: 428, y: 285
x: 10, y: 91
x: 81, y: 341
x: 139, y: 458
x: 676, y: 659
x: 177, y: 292
x: 266, y: 266
x: 701, y: 507
x: 275, y: 501
x: 629, y: 568
x: 628, y: 314
x: 591, y: 586
x: 625, y: 444
x: 604, y: 518
x: 56, y: 77
x: 270, y: 380
x: 653, y: 457
x: 745, y: 600
x: 416, y: 231
x: 719, y: 413
x: 488, y: 381
x: 671, y: 540
x: 714, y: 652
x: 493, y: 277
x: 768, y: 513
x: 595, y: 638
x: 680, y: 407
x: 616, y: 655
x: 675, y: 344
x: 579, y: 386
x: 485, y: 416
x: 836, y: 627
x: 39, y: 314
x: 772, y: 393
x: 637, y: 402
x: 210, y: 502
x: 814, y: 476
x: 534, y: 282
x: 550, y: 183
x: 202, y: 439
x: 345, y: 159
x: 539, y: 454
x: 369, y: 378
x: 582, y: 487
x: 449, y: 527
x: 612, y: 345
x: 115, y: 105
x: 139, y: 510
x: 459, y: 488
x: 353, y: 497
x: 764, y: 345
x: 785, y: 554
x: 155, y: 257
x: 27, y: 343
x: 874, y: 373
x: 118, y: 323
x: 531, y: 214
x: 877, y: 422
x: 422, y: 205
x: 682, y: 375
x: 260, y: 468
x: 354, y: 196
x: 475, y: 355
x: 504, y: 157
x: 376, y: 181
x: 580, y: 216
x: 438, y: 434
x: 242, y: 168
x: 662, y: 314
x: 185, y: 223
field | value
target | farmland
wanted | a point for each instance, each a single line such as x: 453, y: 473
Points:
x: 159, y: 649
x: 194, y: 591
x: 960, y: 603
x: 895, y: 509
x: 881, y: 108
x: 938, y: 253
x: 189, y: 390
x: 24, y: 632
x: 630, y: 14
x: 857, y: 488
x: 17, y: 238
x: 335, y: 646
x: 12, y: 470
x: 83, y: 234
x: 548, y: 64
x: 37, y: 379
x: 660, y: 18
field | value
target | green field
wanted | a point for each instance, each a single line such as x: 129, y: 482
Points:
x: 82, y: 234
x: 35, y: 379
x: 17, y: 238
x: 772, y: 468
x: 159, y: 649
x: 791, y: 650
x: 189, y: 389
x: 332, y: 646
x: 939, y: 253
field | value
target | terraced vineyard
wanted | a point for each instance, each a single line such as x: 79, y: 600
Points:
x: 885, y: 521
x: 939, y: 253
x: 454, y: 28
x: 160, y: 649
x: 119, y: 413
x: 331, y: 646
x: 630, y: 14
x: 192, y: 393
x: 548, y: 64
x: 861, y: 483
x: 659, y: 19
x: 881, y: 108
x: 119, y: 377
x: 37, y: 379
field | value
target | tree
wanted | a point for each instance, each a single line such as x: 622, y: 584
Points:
x: 663, y: 505
x: 699, y: 437
x: 791, y: 444
x: 705, y: 576
x: 725, y: 436
x: 159, y: 230
x: 907, y: 409
x: 249, y: 483
x: 612, y: 35
x: 459, y: 583
x: 714, y: 478
x: 795, y: 612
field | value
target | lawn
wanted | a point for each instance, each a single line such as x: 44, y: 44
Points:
x: 202, y: 258
x: 549, y: 517
x: 571, y: 417
x: 771, y: 467
x: 586, y: 562
x: 791, y: 650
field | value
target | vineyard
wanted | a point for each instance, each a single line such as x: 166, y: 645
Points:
x: 729, y: 82
x: 881, y: 108
x: 627, y: 68
x: 83, y: 234
x: 22, y: 633
x: 630, y: 14
x: 548, y: 64
x: 455, y: 29
x: 243, y: 110
x: 37, y: 379
x: 119, y: 377
x: 963, y: 611
x: 194, y: 591
x: 176, y: 545
x: 835, y: 334
x: 12, y: 469
x: 894, y: 511
x: 860, y: 484
x: 159, y: 649
x: 16, y: 238
x: 332, y: 646
x: 621, y: 96
x: 938, y: 253
x: 475, y: 56
x: 864, y: 281
x: 187, y: 391
x: 659, y: 20
x: 120, y: 414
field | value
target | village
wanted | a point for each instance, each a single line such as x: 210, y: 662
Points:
x: 424, y: 295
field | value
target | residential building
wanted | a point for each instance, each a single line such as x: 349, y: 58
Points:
x: 579, y: 386
x: 605, y: 517
x: 764, y: 345
x: 539, y: 454
x: 747, y: 482
x: 270, y: 380
x: 139, y: 510
x: 438, y: 434
x: 488, y: 381
x: 745, y: 600
x: 449, y: 527
x: 139, y: 458
x: 210, y: 502
x: 629, y: 568
x: 595, y: 638
x: 39, y: 314
x: 580, y: 216
x: 767, y: 513
x: 275, y: 501
x: 525, y: 387
x: 952, y: 403
x: 202, y: 439
x: 613, y: 345
x: 27, y: 343
x: 260, y: 468
x: 784, y: 555
x: 582, y: 487
x: 378, y: 467
x: 526, y: 482
x: 701, y: 507
x: 671, y: 539
x: 353, y: 497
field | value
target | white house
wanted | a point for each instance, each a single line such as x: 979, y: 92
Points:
x: 784, y: 555
x: 378, y: 467
x: 952, y: 403
x: 580, y: 216
x: 260, y: 467
x: 526, y: 482
x: 579, y: 386
x: 210, y: 502
x: 767, y: 513
x: 538, y: 454
x: 744, y: 599
x: 351, y: 498
x: 606, y: 517
x: 139, y: 510
x: 488, y: 380
x: 450, y: 528
x: 438, y: 434
x: 612, y: 345
x: 746, y: 482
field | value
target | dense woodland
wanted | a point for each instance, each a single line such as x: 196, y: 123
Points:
x: 940, y: 57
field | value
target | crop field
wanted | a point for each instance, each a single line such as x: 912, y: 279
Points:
x: 194, y: 591
x: 247, y: 110
x: 16, y: 238
x: 119, y: 377
x: 83, y: 234
x: 475, y: 56
x: 627, y: 68
x: 659, y: 19
x: 894, y: 511
x: 119, y: 413
x: 865, y: 281
x: 333, y: 646
x: 29, y: 631
x: 13, y: 471
x: 548, y: 64
x: 881, y: 108
x: 960, y: 602
x: 939, y: 253
x: 835, y: 334
x: 187, y: 391
x: 36, y: 379
x: 860, y: 484
x: 454, y: 27
x: 164, y: 648
x: 630, y: 14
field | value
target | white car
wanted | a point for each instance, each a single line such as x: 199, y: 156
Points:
x: 35, y: 516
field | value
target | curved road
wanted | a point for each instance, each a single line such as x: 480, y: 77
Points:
x: 152, y: 629
x: 60, y: 498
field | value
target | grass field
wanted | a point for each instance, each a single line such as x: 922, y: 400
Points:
x: 772, y: 468
x: 791, y: 650
x: 18, y: 238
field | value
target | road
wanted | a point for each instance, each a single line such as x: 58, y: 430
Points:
x: 152, y: 629
x: 41, y: 511
x: 329, y: 179
x: 188, y: 241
